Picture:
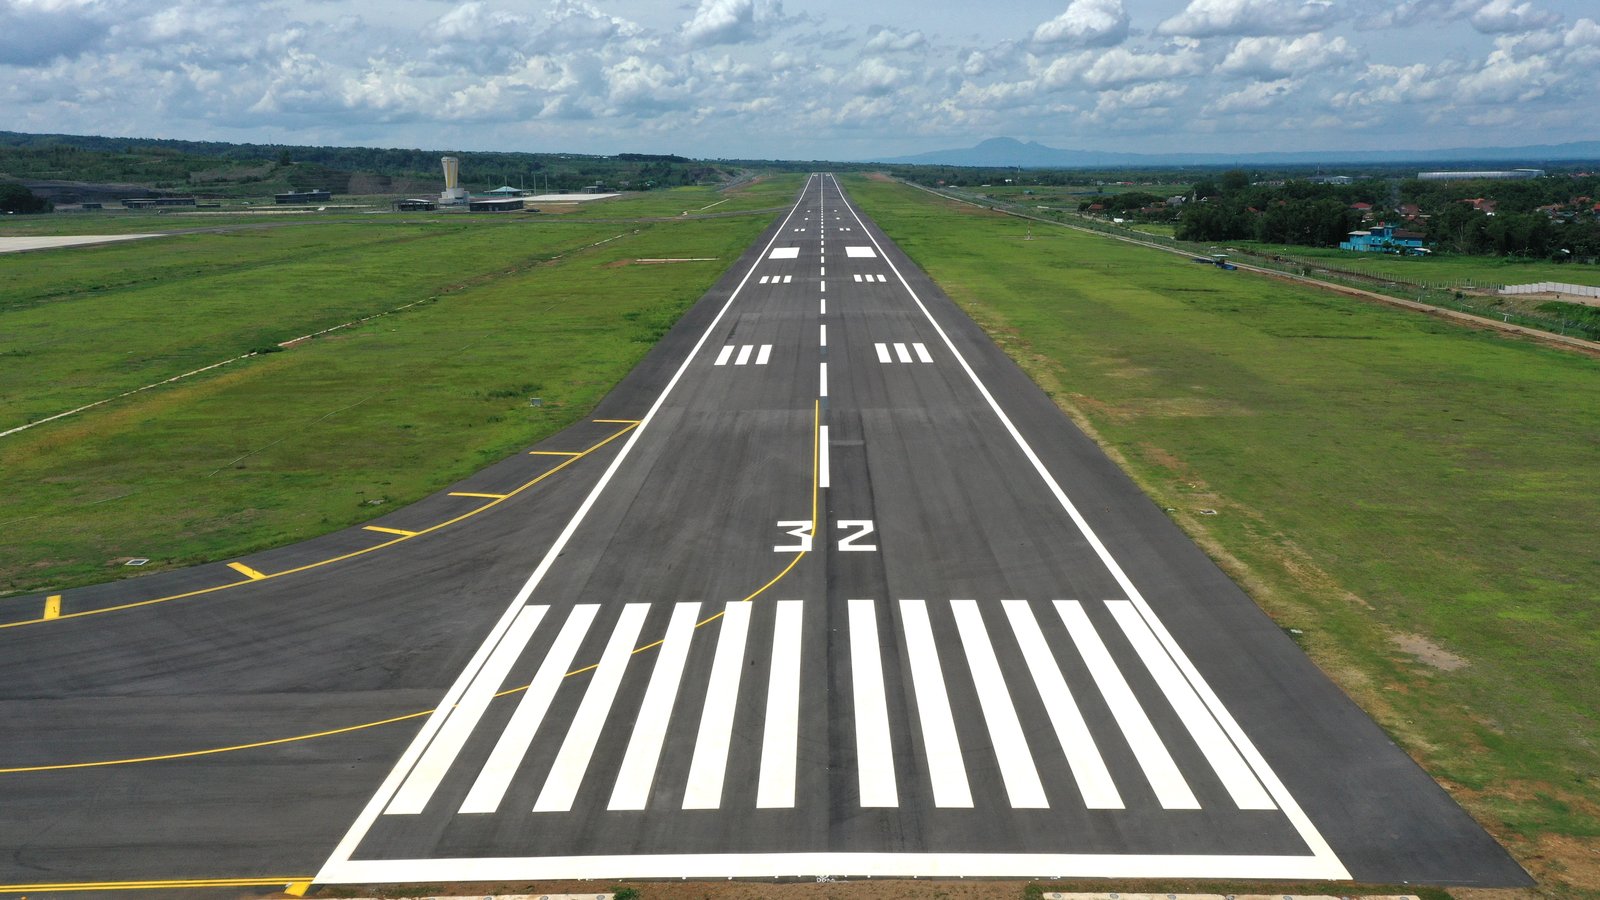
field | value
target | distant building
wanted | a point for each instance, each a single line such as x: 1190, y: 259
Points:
x: 495, y: 204
x: 303, y: 197
x: 415, y: 205
x: 149, y: 202
x: 1386, y: 239
x: 506, y: 190
x: 1332, y: 179
x: 1500, y: 175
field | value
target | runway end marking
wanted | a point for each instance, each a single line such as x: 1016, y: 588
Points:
x: 554, y: 453
x: 297, y: 889
x: 246, y: 571
x: 476, y: 494
x: 400, y: 531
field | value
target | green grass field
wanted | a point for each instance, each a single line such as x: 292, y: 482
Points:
x: 1413, y: 496
x: 1443, y: 268
x: 288, y: 445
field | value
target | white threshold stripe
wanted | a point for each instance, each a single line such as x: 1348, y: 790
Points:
x: 722, y: 357
x: 807, y: 865
x: 823, y: 469
x: 1274, y: 785
x: 780, y: 738
x: 822, y: 380
x: 572, y: 760
x: 922, y: 352
x: 874, y: 752
x: 1225, y: 760
x: 495, y: 776
x: 710, y: 764
x: 901, y: 353
x: 1083, y: 757
x: 369, y: 814
x: 638, y: 770
x: 883, y: 352
x: 999, y: 714
x: 764, y: 355
x: 744, y: 354
x: 430, y: 770
x: 1168, y: 783
x: 941, y: 747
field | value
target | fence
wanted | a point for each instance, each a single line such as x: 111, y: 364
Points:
x: 1552, y: 287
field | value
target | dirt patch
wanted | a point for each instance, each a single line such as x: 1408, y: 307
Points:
x: 1428, y: 652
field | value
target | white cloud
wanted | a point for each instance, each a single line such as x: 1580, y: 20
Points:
x: 1500, y: 16
x: 1119, y: 68
x: 1212, y: 18
x: 1256, y: 97
x: 888, y: 40
x: 731, y: 21
x: 1086, y: 23
x: 1275, y: 57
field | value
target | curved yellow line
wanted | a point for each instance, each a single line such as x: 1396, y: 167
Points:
x: 815, y: 438
x: 62, y: 617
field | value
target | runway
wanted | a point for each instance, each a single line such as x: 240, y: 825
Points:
x: 828, y: 587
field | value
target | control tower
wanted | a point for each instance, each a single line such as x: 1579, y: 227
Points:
x: 453, y: 192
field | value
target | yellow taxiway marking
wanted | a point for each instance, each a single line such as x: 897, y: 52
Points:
x: 553, y: 453
x: 816, y: 421
x: 52, y: 606
x: 63, y: 886
x: 246, y: 571
x: 399, y: 538
x: 476, y: 494
x: 400, y: 531
x: 298, y: 889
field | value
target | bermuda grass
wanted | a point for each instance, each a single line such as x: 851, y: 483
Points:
x: 285, y: 446
x: 1415, y: 497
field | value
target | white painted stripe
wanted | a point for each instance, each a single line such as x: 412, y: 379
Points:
x: 822, y: 306
x: 744, y: 354
x: 882, y: 279
x: 1258, y: 764
x: 1225, y: 760
x: 883, y: 352
x: 424, y: 779
x: 874, y: 752
x: 822, y: 286
x: 823, y: 334
x: 1171, y: 789
x: 764, y: 355
x: 572, y: 760
x: 858, y: 277
x: 822, y: 378
x: 722, y: 357
x: 764, y: 279
x: 922, y: 352
x: 781, y: 733
x: 495, y: 776
x: 1010, y: 746
x: 822, y: 260
x: 788, y: 278
x: 824, y: 271
x: 710, y: 763
x: 946, y: 770
x: 845, y: 865
x: 901, y: 353
x: 784, y: 252
x: 858, y: 251
x: 822, y: 456
x: 1088, y: 768
x: 638, y: 769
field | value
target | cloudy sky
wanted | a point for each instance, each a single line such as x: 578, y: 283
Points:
x: 804, y: 79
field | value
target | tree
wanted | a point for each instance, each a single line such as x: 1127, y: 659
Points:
x: 17, y: 198
x: 1234, y: 181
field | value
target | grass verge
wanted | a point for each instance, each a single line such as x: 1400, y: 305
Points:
x: 336, y: 430
x: 1411, y: 495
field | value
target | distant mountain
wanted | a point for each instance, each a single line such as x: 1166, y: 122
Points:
x: 1006, y: 152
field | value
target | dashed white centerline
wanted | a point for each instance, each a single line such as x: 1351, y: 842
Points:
x: 823, y: 470
x: 822, y: 377
x: 822, y: 335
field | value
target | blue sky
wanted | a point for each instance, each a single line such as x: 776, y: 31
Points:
x: 824, y: 79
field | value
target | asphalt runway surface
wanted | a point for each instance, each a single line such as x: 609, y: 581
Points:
x: 826, y: 586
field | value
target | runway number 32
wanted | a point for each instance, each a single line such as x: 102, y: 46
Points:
x: 800, y: 530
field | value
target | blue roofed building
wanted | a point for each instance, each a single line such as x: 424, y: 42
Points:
x: 1386, y: 239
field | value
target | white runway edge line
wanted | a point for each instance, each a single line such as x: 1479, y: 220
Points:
x: 1322, y: 863
x: 339, y: 867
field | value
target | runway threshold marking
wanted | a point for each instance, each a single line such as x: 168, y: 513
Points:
x: 400, y: 537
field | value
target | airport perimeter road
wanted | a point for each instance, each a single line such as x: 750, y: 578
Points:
x: 828, y: 588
